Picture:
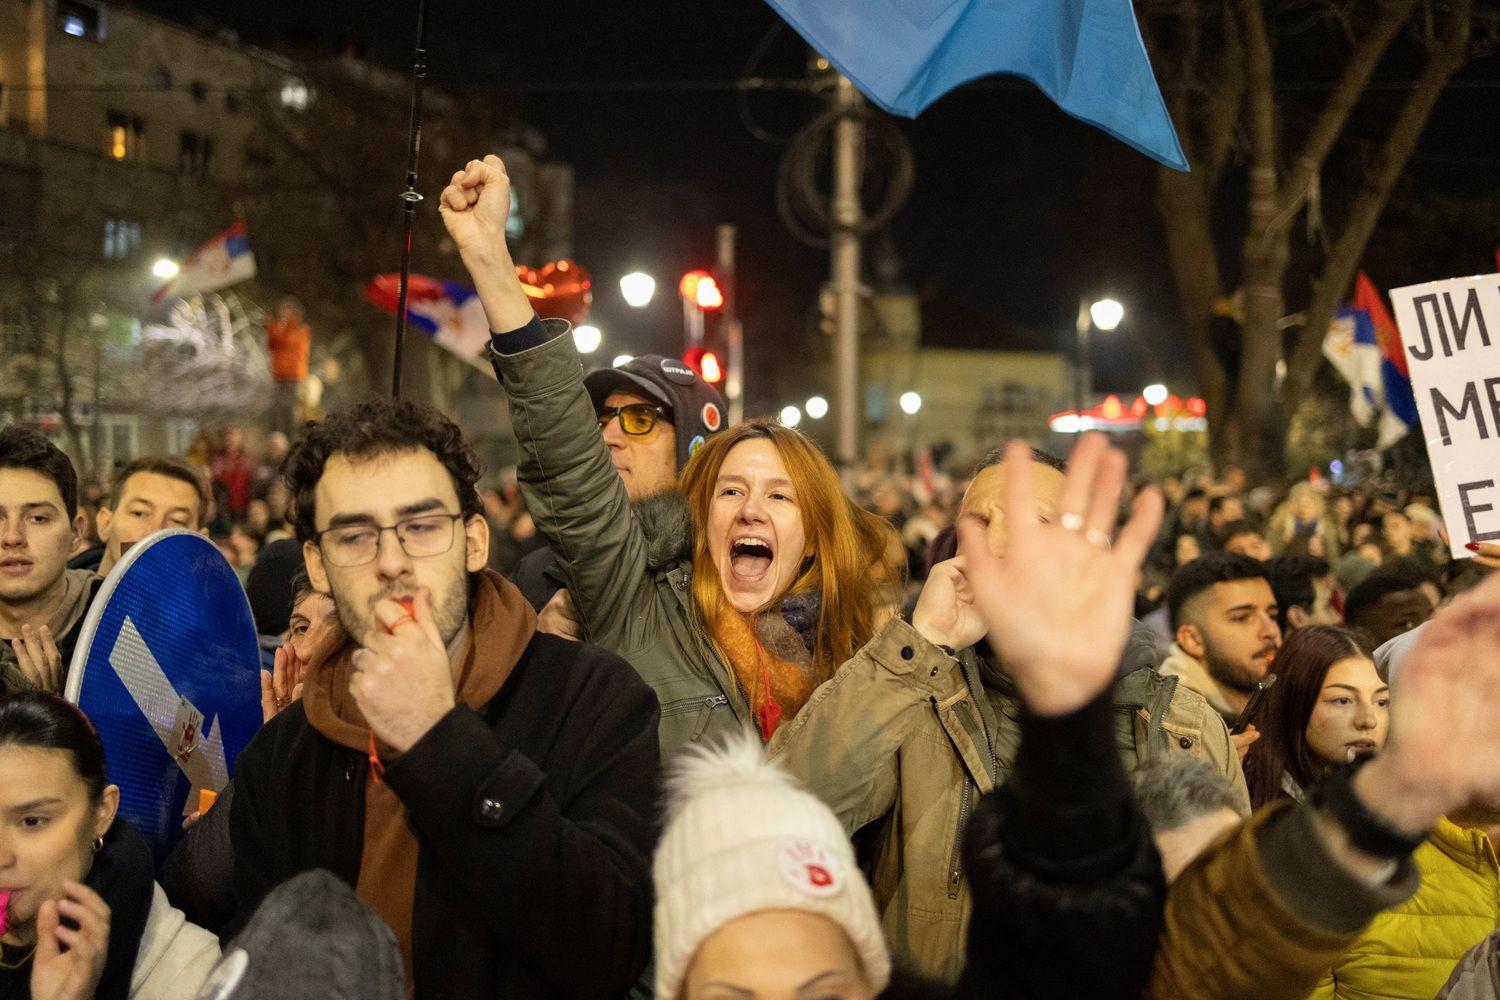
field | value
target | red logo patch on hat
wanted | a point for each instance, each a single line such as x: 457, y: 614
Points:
x: 712, y: 418
x: 810, y: 869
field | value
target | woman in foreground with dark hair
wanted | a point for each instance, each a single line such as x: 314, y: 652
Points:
x: 81, y: 915
x: 1328, y: 707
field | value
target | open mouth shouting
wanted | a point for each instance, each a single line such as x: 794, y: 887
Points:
x: 750, y: 559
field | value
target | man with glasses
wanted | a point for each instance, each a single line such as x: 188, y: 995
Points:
x: 654, y: 412
x: 487, y: 789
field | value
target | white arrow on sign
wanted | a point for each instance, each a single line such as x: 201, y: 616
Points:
x: 202, y: 760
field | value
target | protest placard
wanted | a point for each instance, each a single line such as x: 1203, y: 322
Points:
x: 1450, y: 332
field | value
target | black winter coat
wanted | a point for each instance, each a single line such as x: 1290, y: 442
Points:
x: 536, y: 819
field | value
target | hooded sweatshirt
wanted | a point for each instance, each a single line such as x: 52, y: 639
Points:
x: 79, y: 587
x: 501, y: 626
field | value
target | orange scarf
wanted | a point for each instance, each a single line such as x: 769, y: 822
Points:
x: 772, y: 661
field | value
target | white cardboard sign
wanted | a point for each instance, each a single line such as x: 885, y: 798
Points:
x: 1450, y: 331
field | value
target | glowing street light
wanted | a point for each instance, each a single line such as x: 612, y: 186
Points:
x: 621, y: 360
x: 1155, y: 394
x: 817, y: 407
x: 637, y: 287
x: 911, y: 402
x: 588, y: 339
x: 791, y: 416
x: 1107, y: 314
x: 165, y: 269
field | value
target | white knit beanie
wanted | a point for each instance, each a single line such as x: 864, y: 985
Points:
x: 741, y: 837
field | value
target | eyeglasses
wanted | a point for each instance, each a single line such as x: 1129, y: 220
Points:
x: 635, y: 418
x: 358, y: 544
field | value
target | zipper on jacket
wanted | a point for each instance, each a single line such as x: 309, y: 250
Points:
x: 709, y: 704
x: 955, y: 876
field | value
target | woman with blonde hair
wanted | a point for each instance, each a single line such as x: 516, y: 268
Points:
x: 1303, y: 525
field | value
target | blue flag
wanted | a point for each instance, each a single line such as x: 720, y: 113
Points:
x: 1087, y: 55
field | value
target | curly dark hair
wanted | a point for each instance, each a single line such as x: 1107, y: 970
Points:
x: 370, y: 429
x: 24, y: 448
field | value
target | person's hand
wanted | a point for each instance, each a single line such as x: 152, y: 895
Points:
x: 68, y: 962
x: 945, y: 612
x: 1487, y: 554
x: 282, y: 684
x: 402, y: 679
x: 39, y: 658
x: 1443, y: 751
x: 1243, y: 741
x: 559, y: 617
x: 475, y: 207
x: 1057, y: 602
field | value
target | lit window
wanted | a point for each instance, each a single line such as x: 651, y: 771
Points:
x: 123, y: 135
x: 121, y: 237
x: 81, y: 19
x: 294, y: 95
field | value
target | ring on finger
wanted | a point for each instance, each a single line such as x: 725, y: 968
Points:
x: 1096, y: 537
x: 1071, y: 521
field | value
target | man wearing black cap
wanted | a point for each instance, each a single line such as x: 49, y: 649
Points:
x: 654, y: 412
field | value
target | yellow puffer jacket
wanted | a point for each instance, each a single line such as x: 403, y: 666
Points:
x: 1410, y: 950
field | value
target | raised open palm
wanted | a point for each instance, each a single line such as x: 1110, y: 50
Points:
x: 1058, y: 600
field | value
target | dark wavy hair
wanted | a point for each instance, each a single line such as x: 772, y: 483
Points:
x: 1301, y: 666
x: 24, y: 448
x: 36, y: 720
x: 370, y: 429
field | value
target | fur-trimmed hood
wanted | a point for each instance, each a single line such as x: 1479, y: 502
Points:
x: 667, y: 524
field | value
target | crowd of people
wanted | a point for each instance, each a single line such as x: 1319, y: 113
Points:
x: 669, y: 711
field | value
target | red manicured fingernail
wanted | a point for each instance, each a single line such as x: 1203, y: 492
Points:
x: 1472, y: 546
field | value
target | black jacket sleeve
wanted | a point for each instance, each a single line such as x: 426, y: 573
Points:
x: 550, y: 858
x: 1068, y: 886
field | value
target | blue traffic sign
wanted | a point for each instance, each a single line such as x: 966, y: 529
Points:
x: 168, y: 669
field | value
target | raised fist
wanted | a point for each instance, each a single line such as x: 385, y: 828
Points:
x: 475, y: 206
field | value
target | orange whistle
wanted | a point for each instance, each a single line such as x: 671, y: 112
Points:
x: 206, y: 799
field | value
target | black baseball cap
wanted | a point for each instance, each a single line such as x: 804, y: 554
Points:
x: 695, y: 408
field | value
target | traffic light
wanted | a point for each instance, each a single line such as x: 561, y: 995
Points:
x: 706, y: 363
x: 700, y: 289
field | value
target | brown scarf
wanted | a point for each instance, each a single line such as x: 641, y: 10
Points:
x: 501, y: 626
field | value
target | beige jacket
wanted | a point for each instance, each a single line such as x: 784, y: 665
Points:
x: 907, y: 734
x: 1195, y: 677
x: 175, y: 956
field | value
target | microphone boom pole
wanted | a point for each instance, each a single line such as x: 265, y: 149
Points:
x: 410, y: 197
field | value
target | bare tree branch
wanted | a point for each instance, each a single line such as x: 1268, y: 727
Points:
x: 1341, y: 102
x: 1445, y: 56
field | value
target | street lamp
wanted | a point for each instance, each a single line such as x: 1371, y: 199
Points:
x: 911, y: 402
x: 817, y: 407
x: 637, y: 287
x: 588, y: 339
x: 621, y: 360
x: 1155, y: 394
x: 165, y: 269
x: 791, y: 416
x: 1106, y: 314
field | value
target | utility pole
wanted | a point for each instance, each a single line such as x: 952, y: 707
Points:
x: 848, y: 214
x: 734, y: 377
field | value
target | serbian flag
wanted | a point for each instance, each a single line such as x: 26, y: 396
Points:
x: 446, y: 311
x: 222, y: 261
x: 1365, y: 347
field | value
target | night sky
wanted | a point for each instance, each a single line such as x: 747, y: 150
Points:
x: 1017, y: 211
